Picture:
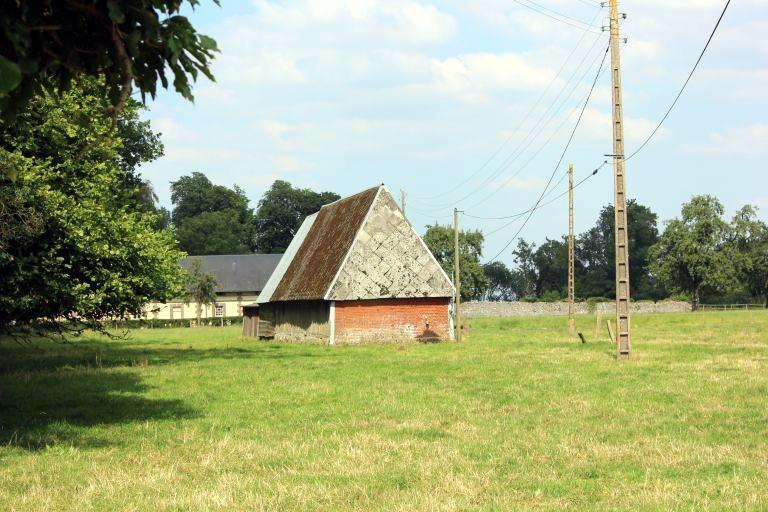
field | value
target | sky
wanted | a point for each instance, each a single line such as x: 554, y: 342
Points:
x: 470, y: 104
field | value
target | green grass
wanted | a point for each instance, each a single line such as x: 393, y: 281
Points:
x: 516, y: 417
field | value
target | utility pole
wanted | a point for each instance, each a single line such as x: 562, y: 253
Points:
x: 456, y: 276
x: 402, y: 201
x: 623, y: 333
x: 571, y: 258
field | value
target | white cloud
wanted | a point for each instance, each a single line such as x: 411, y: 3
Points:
x: 173, y: 131
x: 400, y: 21
x: 598, y: 125
x: 742, y: 141
x: 491, y: 71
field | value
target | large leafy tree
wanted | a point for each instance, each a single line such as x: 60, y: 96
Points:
x: 213, y: 233
x: 551, y: 260
x: 694, y: 252
x: 503, y: 284
x: 595, y: 252
x: 280, y: 213
x: 209, y: 218
x: 77, y: 250
x: 750, y: 244
x: 46, y: 44
x: 440, y: 240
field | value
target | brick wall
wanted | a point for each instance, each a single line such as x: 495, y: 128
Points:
x: 385, y: 320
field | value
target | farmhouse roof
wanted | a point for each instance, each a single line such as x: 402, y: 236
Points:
x: 238, y: 273
x: 325, y: 259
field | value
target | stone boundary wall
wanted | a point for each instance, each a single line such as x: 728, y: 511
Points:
x: 504, y: 309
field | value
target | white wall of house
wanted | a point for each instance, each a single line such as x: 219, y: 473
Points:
x: 225, y: 305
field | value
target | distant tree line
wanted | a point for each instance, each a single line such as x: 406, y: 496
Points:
x: 214, y: 219
x: 699, y: 257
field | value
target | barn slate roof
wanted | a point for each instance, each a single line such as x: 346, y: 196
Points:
x: 321, y: 252
x: 238, y: 273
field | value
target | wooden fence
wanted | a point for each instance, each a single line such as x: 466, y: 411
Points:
x: 730, y: 307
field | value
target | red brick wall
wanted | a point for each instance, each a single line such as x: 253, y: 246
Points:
x: 385, y: 320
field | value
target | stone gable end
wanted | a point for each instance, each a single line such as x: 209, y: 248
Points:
x: 388, y: 260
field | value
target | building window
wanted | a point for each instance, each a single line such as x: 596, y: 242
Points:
x: 218, y: 310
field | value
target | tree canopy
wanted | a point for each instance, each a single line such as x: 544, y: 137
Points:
x: 750, y: 241
x: 209, y: 218
x: 46, y: 45
x: 213, y: 233
x: 440, y: 240
x: 694, y: 251
x: 77, y: 249
x: 503, y: 284
x: 595, y: 252
x: 280, y: 213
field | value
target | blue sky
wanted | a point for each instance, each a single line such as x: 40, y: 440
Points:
x: 344, y: 94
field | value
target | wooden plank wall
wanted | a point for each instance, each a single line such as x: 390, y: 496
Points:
x: 297, y: 320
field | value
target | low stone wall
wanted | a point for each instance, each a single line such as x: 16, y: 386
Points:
x: 503, y: 309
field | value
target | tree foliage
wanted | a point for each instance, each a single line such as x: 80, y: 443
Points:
x: 46, y: 45
x: 77, y: 251
x: 526, y: 267
x: 750, y: 245
x: 503, y: 284
x: 694, y: 252
x: 280, y: 213
x: 595, y: 253
x: 210, y: 219
x: 551, y: 260
x: 200, y: 286
x: 440, y: 240
x: 213, y: 233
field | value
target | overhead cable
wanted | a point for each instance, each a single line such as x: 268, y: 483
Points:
x: 690, y: 75
x: 560, y: 161
x: 519, y: 125
x: 579, y: 24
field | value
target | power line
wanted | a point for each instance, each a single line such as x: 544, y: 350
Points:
x: 520, y: 214
x: 525, y: 165
x: 557, y: 13
x: 591, y: 3
x: 522, y: 121
x: 562, y: 156
x: 532, y: 135
x: 542, y: 205
x: 582, y: 25
x: 690, y: 75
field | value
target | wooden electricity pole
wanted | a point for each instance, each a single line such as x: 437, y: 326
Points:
x: 623, y: 333
x: 456, y: 276
x: 571, y: 258
x: 402, y: 201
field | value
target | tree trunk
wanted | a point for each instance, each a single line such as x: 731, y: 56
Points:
x: 696, y: 299
x: 199, y: 311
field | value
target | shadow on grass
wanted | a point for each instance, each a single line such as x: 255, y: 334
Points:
x: 51, y: 356
x: 48, y: 408
x: 50, y: 393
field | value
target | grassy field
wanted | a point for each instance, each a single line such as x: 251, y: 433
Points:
x: 516, y: 417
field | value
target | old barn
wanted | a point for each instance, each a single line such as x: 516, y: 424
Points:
x: 357, y: 271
